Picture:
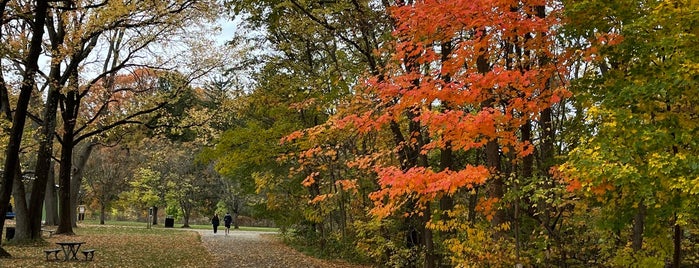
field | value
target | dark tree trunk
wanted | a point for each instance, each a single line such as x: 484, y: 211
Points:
x: 236, y: 212
x: 65, y: 226
x: 50, y: 199
x: 44, y: 155
x: 677, y: 242
x: 77, y: 177
x: 48, y: 128
x: 638, y: 225
x: 155, y: 215
x: 527, y: 172
x: 430, y: 255
x: 446, y: 161
x: 103, y: 209
x: 22, y: 231
x: 492, y: 151
x: 496, y: 187
x: 4, y: 93
x: 527, y: 161
x: 20, y: 116
x: 547, y: 140
x: 187, y: 212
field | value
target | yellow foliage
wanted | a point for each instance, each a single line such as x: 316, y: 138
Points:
x: 475, y: 247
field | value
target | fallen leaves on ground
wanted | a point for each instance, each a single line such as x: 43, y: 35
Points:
x: 260, y: 250
x: 118, y: 246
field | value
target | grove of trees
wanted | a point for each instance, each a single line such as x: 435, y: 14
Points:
x: 82, y: 75
x: 402, y: 133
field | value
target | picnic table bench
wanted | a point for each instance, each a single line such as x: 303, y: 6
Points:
x: 71, y: 252
x: 89, y: 252
x: 54, y: 251
x: 70, y: 249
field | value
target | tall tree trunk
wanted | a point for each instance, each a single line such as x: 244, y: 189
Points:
x: 187, y: 211
x: 155, y: 215
x: 66, y: 210
x: 236, y: 212
x: 527, y: 161
x: 428, y: 236
x: 20, y: 116
x: 496, y: 187
x: 492, y: 149
x: 446, y: 161
x: 77, y: 178
x: 4, y: 93
x: 546, y: 116
x: 48, y: 128
x: 50, y: 199
x: 44, y: 155
x: 677, y: 244
x: 547, y: 140
x: 638, y: 225
x: 527, y: 172
x: 22, y: 231
x: 65, y: 223
x: 103, y: 209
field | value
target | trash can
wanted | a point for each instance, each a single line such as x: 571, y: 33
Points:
x: 169, y: 222
x: 9, y: 233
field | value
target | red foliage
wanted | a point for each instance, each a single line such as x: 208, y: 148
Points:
x: 517, y: 88
x: 454, y: 101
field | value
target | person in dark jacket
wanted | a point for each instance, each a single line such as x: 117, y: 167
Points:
x: 215, y: 222
x: 227, y: 220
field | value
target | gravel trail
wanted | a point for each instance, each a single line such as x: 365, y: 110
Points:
x: 259, y: 249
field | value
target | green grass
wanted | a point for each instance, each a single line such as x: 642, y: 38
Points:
x: 123, y: 245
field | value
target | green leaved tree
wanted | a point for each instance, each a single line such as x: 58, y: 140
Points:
x: 640, y: 159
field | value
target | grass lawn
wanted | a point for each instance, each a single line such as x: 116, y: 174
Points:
x: 123, y: 245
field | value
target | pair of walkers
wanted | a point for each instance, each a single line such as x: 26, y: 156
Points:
x: 227, y: 220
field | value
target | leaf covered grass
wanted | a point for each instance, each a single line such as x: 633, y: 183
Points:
x: 118, y: 246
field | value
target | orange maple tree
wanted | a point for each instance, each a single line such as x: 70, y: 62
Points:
x: 469, y: 73
x: 464, y: 76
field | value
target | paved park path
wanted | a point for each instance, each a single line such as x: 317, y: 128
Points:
x: 259, y: 249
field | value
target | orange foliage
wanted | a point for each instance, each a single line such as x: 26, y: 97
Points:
x: 347, y: 184
x: 422, y: 182
x: 573, y: 185
x: 516, y: 88
x: 115, y: 93
x: 455, y: 102
x: 602, y: 188
x: 486, y: 207
x: 310, y: 179
x: 291, y: 137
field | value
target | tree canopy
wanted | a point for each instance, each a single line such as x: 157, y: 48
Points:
x: 416, y: 133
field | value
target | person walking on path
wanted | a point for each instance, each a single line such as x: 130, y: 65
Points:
x: 215, y: 222
x: 227, y: 220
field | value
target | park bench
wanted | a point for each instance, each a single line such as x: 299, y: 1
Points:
x: 48, y: 231
x: 54, y: 251
x: 90, y: 253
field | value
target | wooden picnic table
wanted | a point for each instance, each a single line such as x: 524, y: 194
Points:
x: 70, y: 249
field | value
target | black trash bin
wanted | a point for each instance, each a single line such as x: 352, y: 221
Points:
x: 9, y: 233
x: 169, y: 222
